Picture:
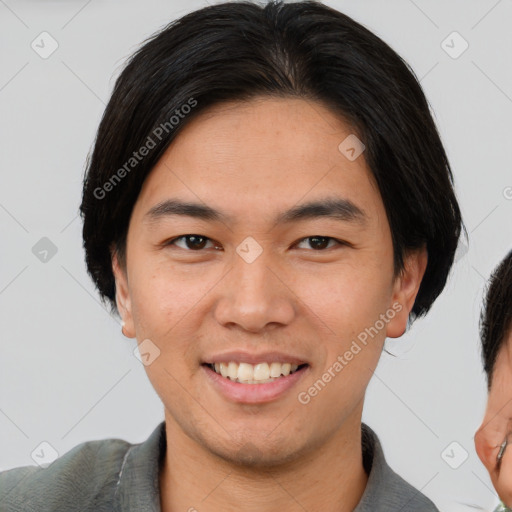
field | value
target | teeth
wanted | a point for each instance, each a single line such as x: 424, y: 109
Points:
x: 261, y: 371
x: 275, y: 370
x: 285, y: 369
x: 254, y: 374
x: 232, y: 370
x: 224, y: 369
x: 245, y: 371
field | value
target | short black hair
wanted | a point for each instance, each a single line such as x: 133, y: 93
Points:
x: 236, y: 51
x: 496, y: 316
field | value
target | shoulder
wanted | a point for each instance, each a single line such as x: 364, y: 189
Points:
x: 403, y: 496
x: 386, y: 490
x: 83, y: 478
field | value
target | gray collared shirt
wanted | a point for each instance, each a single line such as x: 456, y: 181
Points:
x: 114, y: 475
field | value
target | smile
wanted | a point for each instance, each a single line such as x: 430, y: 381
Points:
x: 260, y: 373
x: 254, y: 383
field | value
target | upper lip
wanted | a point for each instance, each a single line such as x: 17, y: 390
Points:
x: 241, y: 356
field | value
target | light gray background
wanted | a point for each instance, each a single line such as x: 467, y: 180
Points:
x: 67, y: 375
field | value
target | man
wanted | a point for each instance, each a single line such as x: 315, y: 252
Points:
x: 495, y: 433
x: 267, y: 199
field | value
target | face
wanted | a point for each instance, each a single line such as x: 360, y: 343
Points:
x: 237, y: 281
x: 496, y: 424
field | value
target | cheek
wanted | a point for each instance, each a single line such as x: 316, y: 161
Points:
x: 166, y: 304
x: 160, y: 297
x: 352, y: 310
x: 347, y: 299
x: 163, y: 307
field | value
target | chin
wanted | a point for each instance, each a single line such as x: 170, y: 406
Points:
x: 257, y: 453
x: 251, y: 457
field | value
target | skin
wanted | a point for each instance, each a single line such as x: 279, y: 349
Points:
x: 254, y: 160
x: 497, y: 425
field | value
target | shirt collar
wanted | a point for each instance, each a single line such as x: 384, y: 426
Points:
x: 385, y: 489
x: 138, y: 486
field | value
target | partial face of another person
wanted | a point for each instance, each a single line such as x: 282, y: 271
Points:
x: 497, y: 424
x: 251, y: 284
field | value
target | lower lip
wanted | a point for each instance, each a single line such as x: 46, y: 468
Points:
x: 253, y: 393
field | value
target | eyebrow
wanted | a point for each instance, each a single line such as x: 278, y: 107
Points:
x: 331, y: 207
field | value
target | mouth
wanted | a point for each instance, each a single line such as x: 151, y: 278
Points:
x: 247, y: 383
x: 260, y: 373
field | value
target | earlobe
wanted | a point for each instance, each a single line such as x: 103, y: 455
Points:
x: 406, y: 288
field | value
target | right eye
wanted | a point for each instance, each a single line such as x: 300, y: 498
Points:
x: 192, y: 242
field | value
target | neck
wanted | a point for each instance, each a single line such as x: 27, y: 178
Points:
x: 327, y: 478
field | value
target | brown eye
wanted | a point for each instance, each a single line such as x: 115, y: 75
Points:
x: 192, y: 242
x: 319, y: 242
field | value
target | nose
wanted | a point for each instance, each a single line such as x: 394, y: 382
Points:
x: 255, y: 296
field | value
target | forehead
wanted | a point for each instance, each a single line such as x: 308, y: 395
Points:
x: 260, y: 156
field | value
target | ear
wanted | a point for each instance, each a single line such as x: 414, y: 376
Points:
x: 123, y: 296
x: 405, y: 289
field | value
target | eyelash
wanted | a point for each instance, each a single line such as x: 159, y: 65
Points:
x: 172, y: 241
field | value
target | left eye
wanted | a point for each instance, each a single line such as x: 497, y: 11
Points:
x: 198, y: 242
x: 320, y: 242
